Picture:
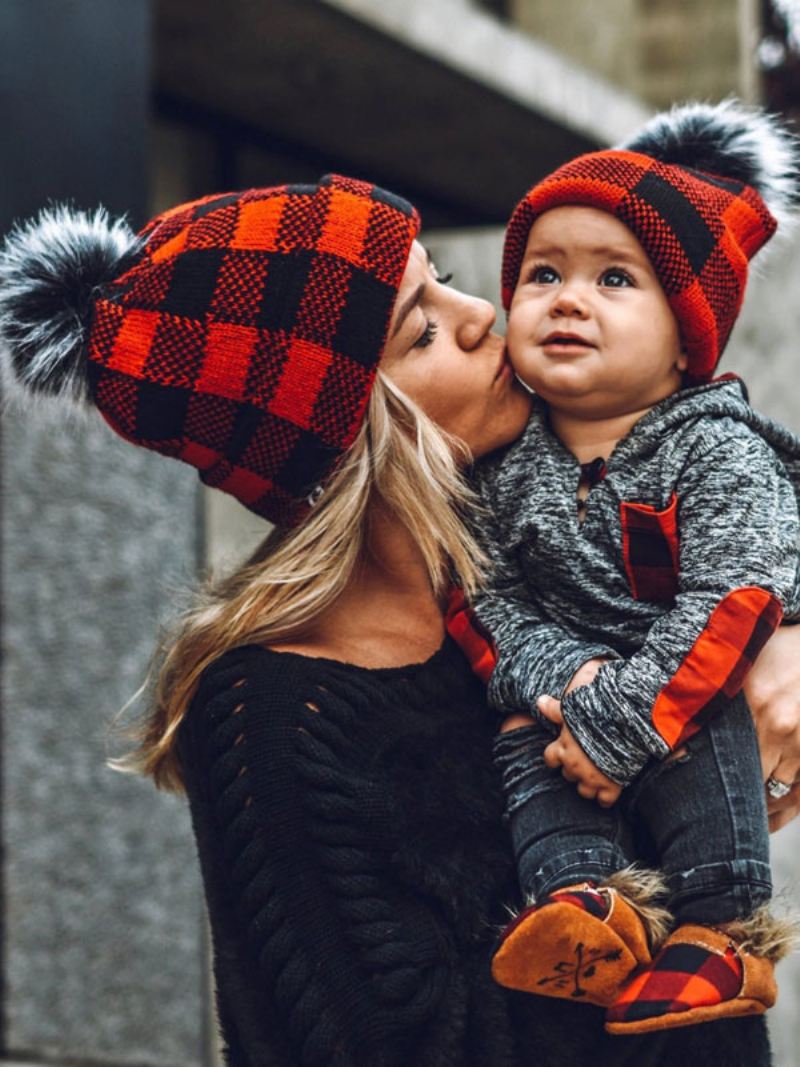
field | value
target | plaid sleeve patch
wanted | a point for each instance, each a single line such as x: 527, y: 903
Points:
x: 716, y: 667
x: 463, y: 626
x: 650, y: 550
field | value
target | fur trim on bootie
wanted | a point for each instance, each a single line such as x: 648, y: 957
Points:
x: 583, y: 941
x: 645, y: 890
x: 706, y: 973
x: 763, y: 934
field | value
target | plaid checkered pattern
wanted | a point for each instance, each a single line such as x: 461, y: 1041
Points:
x: 650, y: 550
x: 717, y: 665
x: 683, y: 976
x: 586, y: 899
x: 698, y: 230
x: 463, y: 626
x: 245, y: 339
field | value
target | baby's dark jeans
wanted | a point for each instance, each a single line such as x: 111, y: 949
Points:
x: 699, y: 817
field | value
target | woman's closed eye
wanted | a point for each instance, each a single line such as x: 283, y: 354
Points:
x: 427, y: 335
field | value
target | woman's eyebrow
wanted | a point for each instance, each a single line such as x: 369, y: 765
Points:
x: 408, y: 306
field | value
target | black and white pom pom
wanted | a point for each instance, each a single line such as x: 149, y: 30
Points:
x: 52, y: 268
x: 731, y: 140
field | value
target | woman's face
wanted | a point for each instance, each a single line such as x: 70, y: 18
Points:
x: 442, y: 354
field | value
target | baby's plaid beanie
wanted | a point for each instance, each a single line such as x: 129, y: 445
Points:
x: 702, y: 188
x: 239, y: 333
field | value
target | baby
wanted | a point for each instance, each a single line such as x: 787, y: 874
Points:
x: 645, y: 525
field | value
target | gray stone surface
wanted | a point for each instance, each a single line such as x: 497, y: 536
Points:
x: 103, y: 956
x: 439, y: 101
x: 660, y: 50
x: 764, y: 351
x: 764, y: 343
x: 461, y: 35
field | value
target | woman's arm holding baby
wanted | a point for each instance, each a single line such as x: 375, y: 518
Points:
x: 772, y: 689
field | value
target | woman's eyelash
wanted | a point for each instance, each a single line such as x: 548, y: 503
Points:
x: 443, y: 279
x: 427, y: 334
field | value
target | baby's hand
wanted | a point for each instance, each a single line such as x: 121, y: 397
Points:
x: 566, y: 753
x: 585, y: 674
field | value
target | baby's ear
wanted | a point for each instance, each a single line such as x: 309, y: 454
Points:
x: 682, y: 362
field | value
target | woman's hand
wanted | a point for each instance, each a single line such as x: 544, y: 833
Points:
x: 772, y: 689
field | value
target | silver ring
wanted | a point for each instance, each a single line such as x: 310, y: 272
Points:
x: 778, y: 789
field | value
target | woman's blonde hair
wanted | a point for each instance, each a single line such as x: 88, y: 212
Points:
x: 400, y: 458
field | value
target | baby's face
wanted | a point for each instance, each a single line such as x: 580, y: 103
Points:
x: 589, y: 328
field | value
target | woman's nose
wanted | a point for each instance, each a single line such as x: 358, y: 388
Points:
x: 477, y: 317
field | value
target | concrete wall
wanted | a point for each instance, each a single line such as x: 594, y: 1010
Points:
x: 103, y: 956
x: 763, y: 351
x: 102, y: 953
x: 662, y: 50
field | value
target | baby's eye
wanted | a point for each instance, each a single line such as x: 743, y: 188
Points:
x: 615, y: 278
x: 543, y: 275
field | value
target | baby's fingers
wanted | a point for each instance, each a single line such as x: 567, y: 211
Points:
x: 552, y: 755
x: 608, y: 795
x: 588, y: 792
x: 550, y: 709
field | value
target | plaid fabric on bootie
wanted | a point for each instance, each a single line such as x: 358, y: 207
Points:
x: 698, y: 976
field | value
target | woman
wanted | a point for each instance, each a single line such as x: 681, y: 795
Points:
x: 296, y: 346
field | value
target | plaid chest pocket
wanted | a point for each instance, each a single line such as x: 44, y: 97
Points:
x: 650, y: 549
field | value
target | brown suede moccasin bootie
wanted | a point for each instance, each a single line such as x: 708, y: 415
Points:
x: 703, y: 973
x: 581, y: 941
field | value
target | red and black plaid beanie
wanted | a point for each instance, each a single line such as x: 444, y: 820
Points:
x: 239, y: 333
x: 699, y: 187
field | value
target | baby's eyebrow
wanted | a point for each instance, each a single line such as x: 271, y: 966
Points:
x: 610, y: 252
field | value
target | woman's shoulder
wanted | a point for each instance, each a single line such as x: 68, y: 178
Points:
x: 288, y: 676
x: 246, y: 710
x: 253, y: 667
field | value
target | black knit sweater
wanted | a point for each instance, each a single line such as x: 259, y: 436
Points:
x: 356, y: 869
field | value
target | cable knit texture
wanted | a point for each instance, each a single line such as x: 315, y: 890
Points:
x: 348, y: 824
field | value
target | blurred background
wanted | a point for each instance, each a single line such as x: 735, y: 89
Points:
x: 139, y: 104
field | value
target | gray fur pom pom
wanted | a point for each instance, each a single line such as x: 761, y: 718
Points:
x: 52, y: 268
x: 731, y: 140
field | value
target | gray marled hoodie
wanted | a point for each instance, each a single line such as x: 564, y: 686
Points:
x: 685, y: 560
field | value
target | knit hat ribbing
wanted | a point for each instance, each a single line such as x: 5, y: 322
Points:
x: 698, y: 224
x: 239, y: 333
